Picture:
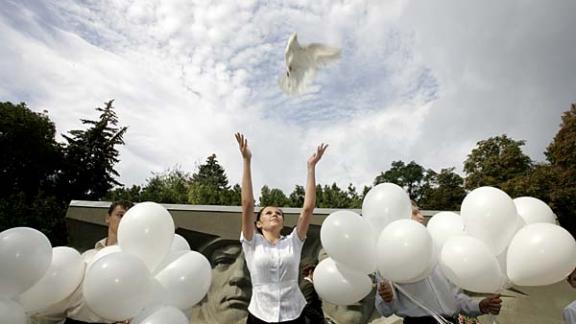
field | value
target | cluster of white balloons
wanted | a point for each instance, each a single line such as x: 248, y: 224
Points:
x: 152, y: 273
x: 33, y: 275
x: 150, y: 277
x: 499, y: 241
x: 494, y: 242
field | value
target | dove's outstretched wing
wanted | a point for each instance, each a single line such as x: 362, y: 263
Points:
x: 323, y: 54
x: 302, y: 62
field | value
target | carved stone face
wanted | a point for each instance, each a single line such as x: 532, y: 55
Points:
x: 229, y: 295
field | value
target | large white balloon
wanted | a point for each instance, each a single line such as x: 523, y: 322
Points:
x: 179, y: 244
x: 25, y: 255
x: 147, y: 231
x: 385, y: 203
x: 443, y: 226
x: 164, y: 314
x: 490, y: 215
x: 469, y: 264
x: 11, y: 312
x: 102, y: 253
x: 534, y: 210
x: 340, y: 285
x: 405, y: 251
x: 117, y: 286
x: 349, y: 239
x: 186, y: 280
x: 62, y: 278
x: 541, y: 254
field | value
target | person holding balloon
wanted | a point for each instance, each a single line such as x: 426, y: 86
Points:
x: 272, y: 259
x: 74, y: 310
x: 569, y: 312
x: 417, y: 302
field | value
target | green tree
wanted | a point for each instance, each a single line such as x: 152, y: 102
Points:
x: 355, y: 199
x: 31, y: 157
x: 133, y: 194
x: 561, y: 154
x: 412, y: 177
x: 445, y: 191
x: 210, y: 185
x: 170, y: 187
x: 273, y: 197
x: 235, y: 196
x: 91, y: 154
x: 30, y: 164
x: 562, y: 151
x: 333, y: 197
x: 297, y: 197
x: 495, y: 161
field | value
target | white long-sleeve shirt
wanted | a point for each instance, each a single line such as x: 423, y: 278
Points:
x: 569, y: 313
x: 276, y: 295
x: 435, y: 292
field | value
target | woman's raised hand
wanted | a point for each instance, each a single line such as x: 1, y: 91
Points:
x: 317, y: 155
x: 243, y: 144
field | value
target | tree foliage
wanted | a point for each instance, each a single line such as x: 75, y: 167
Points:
x: 31, y: 157
x: 91, y: 154
x: 495, y: 161
x: 444, y: 191
x: 412, y: 177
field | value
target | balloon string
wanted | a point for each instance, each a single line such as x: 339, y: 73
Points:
x: 436, y: 316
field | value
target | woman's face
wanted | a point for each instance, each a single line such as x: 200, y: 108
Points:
x: 271, y: 219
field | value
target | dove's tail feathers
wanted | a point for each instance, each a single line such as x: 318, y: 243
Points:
x: 287, y: 85
x: 324, y: 54
x: 296, y: 83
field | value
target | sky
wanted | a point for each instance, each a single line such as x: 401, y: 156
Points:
x: 418, y: 81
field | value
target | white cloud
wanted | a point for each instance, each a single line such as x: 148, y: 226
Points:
x: 418, y: 80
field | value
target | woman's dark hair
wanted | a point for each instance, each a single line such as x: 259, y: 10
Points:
x: 122, y: 203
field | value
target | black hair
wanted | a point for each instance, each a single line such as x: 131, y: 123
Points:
x: 122, y: 203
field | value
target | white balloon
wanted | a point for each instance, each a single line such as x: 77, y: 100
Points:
x: 103, y: 252
x: 147, y: 231
x: 490, y: 215
x: 337, y: 284
x: 25, y: 255
x: 11, y: 312
x: 89, y: 255
x: 405, y: 251
x: 385, y: 203
x: 541, y: 254
x: 170, y: 257
x: 164, y: 314
x: 117, y: 286
x: 60, y: 281
x: 443, y: 226
x: 534, y: 210
x: 469, y: 264
x: 350, y: 240
x: 503, y: 257
x: 186, y: 280
x: 179, y: 244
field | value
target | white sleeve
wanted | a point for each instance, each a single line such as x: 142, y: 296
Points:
x: 569, y: 313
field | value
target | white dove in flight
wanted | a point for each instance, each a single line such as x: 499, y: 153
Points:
x: 302, y: 62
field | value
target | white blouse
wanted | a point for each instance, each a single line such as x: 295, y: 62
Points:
x: 276, y: 296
